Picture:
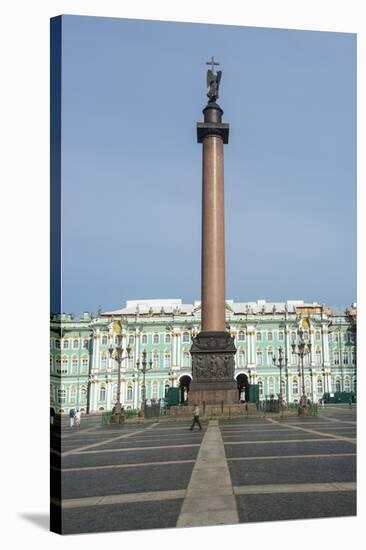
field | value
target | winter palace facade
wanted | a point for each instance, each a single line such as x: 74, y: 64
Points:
x: 84, y: 374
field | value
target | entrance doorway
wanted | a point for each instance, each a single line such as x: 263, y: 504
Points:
x: 184, y: 383
x: 243, y: 384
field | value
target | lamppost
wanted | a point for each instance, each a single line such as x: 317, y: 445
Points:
x: 143, y: 369
x: 303, y: 348
x: 118, y: 352
x: 278, y: 362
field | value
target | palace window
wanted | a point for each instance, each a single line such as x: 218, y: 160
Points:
x: 65, y: 344
x: 104, y: 340
x: 319, y: 385
x: 280, y: 336
x: 102, y: 393
x: 241, y: 336
x: 330, y: 337
x: 144, y: 339
x: 338, y: 385
x: 129, y: 393
x: 74, y: 365
x: 156, y: 360
x: 85, y: 343
x: 318, y: 358
x: 336, y: 357
x: 293, y: 336
x: 84, y: 365
x: 130, y: 362
x: 167, y: 338
x: 241, y: 359
x: 259, y: 336
x: 156, y: 338
x: 72, y: 395
x: 317, y: 335
x: 83, y: 394
x: 306, y: 335
x: 155, y: 391
x: 57, y: 344
x: 185, y: 336
x: 260, y: 385
x: 271, y: 386
x: 75, y: 343
x: 259, y: 358
x: 131, y: 340
x: 344, y: 337
x: 295, y: 386
x: 64, y: 365
x: 354, y: 355
x: 345, y: 358
x: 293, y: 359
x: 270, y: 357
x: 186, y: 359
x: 103, y: 362
x: 270, y: 336
x: 347, y: 386
x: 167, y: 361
x: 61, y: 395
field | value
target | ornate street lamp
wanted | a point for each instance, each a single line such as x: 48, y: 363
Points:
x: 302, y: 348
x: 143, y: 368
x: 118, y: 352
x: 278, y: 363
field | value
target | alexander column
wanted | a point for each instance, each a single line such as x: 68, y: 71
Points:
x: 213, y: 348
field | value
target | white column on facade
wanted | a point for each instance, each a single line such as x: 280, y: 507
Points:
x: 179, y: 346
x: 312, y: 341
x: 96, y: 390
x: 174, y: 352
x: 109, y: 393
x: 290, y: 399
x: 325, y: 338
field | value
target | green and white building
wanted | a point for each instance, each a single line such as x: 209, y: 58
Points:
x: 84, y: 375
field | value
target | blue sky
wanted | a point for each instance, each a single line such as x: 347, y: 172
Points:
x: 132, y: 92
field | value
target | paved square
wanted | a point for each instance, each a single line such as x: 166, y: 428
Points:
x: 248, y: 470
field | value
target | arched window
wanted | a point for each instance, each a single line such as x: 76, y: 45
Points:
x: 186, y: 359
x: 260, y: 385
x: 270, y: 336
x: 295, y: 386
x: 72, y: 395
x: 185, y: 336
x: 318, y: 358
x: 75, y: 343
x: 283, y: 387
x: 65, y: 344
x: 130, y: 361
x: 338, y: 385
x: 83, y: 394
x: 64, y: 365
x: 307, y: 386
x: 156, y: 360
x: 317, y: 335
x: 144, y: 339
x: 85, y: 343
x: 293, y: 358
x: 345, y: 358
x: 259, y: 358
x: 156, y: 338
x: 259, y: 336
x: 271, y: 386
x: 58, y: 364
x: 280, y: 335
x: 104, y: 340
x: 102, y: 393
x: 129, y: 392
x: 336, y: 357
x: 167, y: 338
x: 241, y: 336
x: 131, y: 340
x: 319, y: 385
x: 347, y: 386
x: 167, y: 361
x: 270, y: 357
x: 155, y: 391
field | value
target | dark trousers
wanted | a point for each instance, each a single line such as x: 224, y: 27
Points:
x: 196, y: 420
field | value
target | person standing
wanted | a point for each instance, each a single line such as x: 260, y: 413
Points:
x: 77, y: 418
x: 72, y: 417
x: 52, y: 416
x: 196, y: 417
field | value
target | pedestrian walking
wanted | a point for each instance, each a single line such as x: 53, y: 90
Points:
x: 77, y: 418
x: 196, y: 417
x: 323, y: 403
x: 52, y: 416
x: 72, y: 417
